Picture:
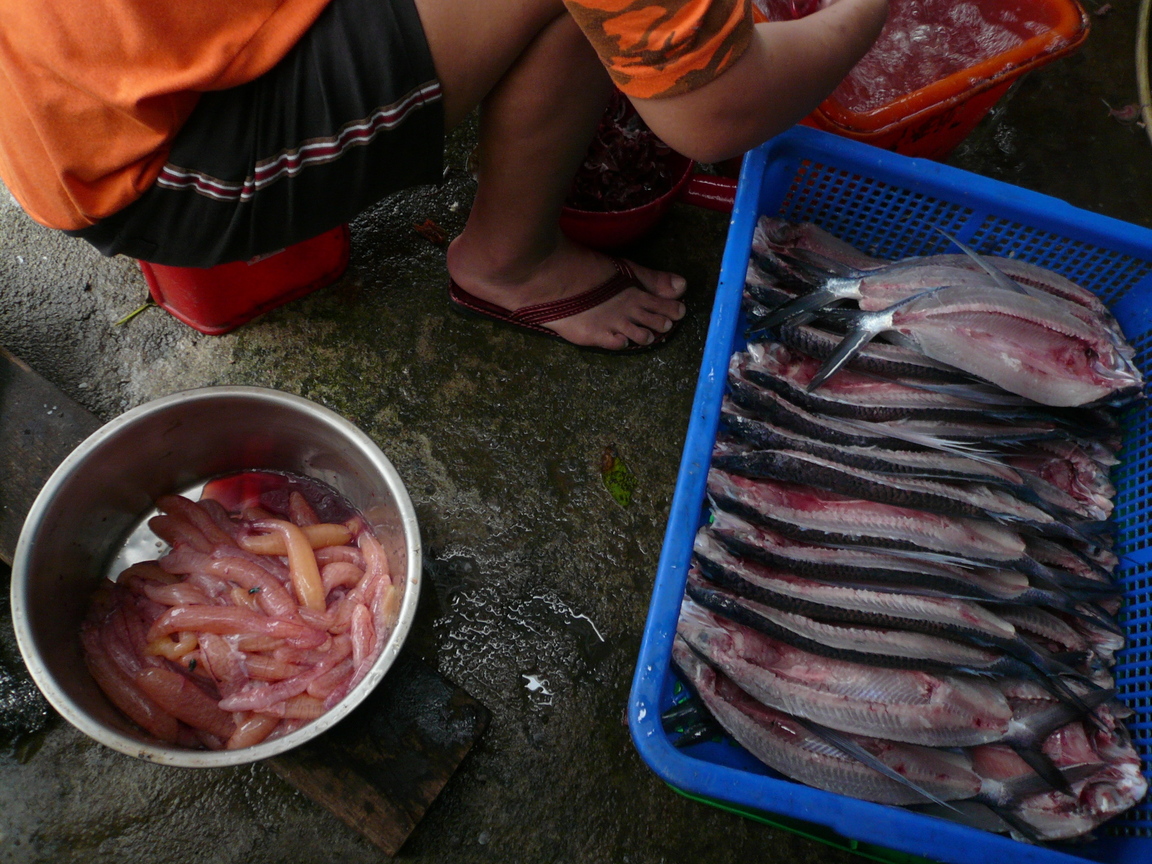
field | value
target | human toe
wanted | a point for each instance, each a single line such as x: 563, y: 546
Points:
x: 661, y: 283
x: 653, y: 321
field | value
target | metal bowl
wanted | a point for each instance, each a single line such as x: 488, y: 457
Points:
x: 108, y: 484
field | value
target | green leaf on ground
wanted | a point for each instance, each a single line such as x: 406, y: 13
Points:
x: 618, y: 480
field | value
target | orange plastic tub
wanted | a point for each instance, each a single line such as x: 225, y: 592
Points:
x: 217, y: 299
x: 932, y: 120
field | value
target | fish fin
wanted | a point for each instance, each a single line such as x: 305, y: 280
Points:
x: 1038, y: 726
x: 999, y: 278
x: 1062, y: 580
x: 1096, y: 617
x: 849, y: 346
x: 1021, y: 829
x: 1061, y: 530
x: 971, y: 814
x: 850, y: 748
x: 1028, y: 785
x: 925, y: 440
x: 1072, y: 658
x: 1044, y: 767
x: 682, y: 712
x: 810, y: 302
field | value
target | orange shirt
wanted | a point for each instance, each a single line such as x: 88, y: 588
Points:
x: 655, y: 48
x: 93, y: 91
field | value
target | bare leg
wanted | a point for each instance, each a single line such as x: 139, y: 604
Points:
x: 535, y: 126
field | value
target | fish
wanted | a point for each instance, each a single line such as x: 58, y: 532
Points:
x: 853, y: 603
x: 831, y: 601
x: 878, y: 570
x: 806, y: 513
x: 761, y: 434
x: 1026, y: 346
x: 897, y: 705
x: 877, y: 645
x: 960, y: 499
x: 792, y: 748
x: 879, y: 358
x: 907, y: 541
x: 879, y: 288
x: 980, y: 441
x: 862, y: 397
x: 911, y: 706
x: 821, y: 249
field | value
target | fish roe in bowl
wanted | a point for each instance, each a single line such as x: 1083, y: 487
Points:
x: 216, y: 577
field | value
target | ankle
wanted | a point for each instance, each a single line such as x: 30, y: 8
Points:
x: 496, y: 260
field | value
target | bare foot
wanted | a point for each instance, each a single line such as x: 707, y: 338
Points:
x: 633, y: 315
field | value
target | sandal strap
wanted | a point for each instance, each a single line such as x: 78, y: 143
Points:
x: 542, y: 313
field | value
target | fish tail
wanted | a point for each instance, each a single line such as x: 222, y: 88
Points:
x: 804, y: 305
x: 1062, y: 580
x: 1044, y: 767
x: 687, y: 711
x: 1034, y: 729
x: 848, y: 348
x: 702, y: 730
x: 1017, y: 824
x: 864, y: 327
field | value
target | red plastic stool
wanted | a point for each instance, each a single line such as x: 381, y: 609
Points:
x: 217, y: 299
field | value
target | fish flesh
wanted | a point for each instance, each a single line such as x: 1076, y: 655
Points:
x: 1024, y: 345
x: 820, y: 249
x: 807, y: 513
x: 899, y: 705
x: 879, y: 569
x: 972, y: 500
x: 789, y: 746
x: 877, y: 645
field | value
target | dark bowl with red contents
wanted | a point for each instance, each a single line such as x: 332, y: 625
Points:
x: 626, y: 184
x: 216, y: 577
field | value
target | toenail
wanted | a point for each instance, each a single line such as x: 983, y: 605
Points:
x: 666, y: 326
x: 679, y: 283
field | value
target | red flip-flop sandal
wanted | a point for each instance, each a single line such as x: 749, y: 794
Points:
x: 532, y: 318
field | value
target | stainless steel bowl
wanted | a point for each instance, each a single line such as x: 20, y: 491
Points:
x: 105, y: 487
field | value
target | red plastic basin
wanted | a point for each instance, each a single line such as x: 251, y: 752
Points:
x: 215, y: 300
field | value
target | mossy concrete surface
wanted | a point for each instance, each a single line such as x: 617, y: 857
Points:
x: 538, y: 581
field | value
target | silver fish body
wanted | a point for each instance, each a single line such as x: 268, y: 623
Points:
x: 813, y: 514
x: 898, y: 705
x: 1022, y: 344
x: 790, y: 747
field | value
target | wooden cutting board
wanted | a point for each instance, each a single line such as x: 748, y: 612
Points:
x: 381, y: 767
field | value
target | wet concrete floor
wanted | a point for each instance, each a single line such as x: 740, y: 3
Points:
x: 538, y: 581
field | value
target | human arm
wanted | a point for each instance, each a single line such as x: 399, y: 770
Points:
x: 787, y: 70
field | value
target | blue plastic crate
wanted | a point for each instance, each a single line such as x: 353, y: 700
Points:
x: 889, y: 206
